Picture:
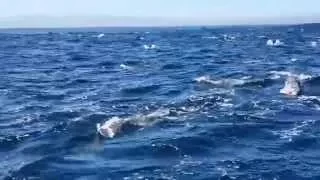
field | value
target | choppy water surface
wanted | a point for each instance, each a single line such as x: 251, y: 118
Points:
x: 212, y: 93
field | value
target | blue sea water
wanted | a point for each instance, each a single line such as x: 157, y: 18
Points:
x: 223, y: 83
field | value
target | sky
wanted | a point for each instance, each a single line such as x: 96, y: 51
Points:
x: 204, y: 11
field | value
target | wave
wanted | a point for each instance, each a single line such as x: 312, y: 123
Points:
x: 289, y: 134
x: 309, y: 98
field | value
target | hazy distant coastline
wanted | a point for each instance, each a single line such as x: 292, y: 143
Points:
x: 39, y: 21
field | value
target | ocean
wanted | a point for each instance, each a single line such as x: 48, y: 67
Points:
x: 191, y: 102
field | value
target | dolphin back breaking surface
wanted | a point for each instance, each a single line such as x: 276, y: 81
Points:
x: 292, y: 87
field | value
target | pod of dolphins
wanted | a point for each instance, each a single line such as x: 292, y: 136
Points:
x: 115, y: 125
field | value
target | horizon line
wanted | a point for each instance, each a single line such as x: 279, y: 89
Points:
x: 60, y: 22
x: 155, y: 26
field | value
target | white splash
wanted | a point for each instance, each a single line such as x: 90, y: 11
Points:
x: 202, y: 79
x: 100, y: 36
x: 313, y: 44
x: 304, y: 77
x: 269, y: 42
x: 275, y: 76
x: 277, y: 42
x: 152, y: 46
x: 227, y: 37
x: 210, y: 37
x: 126, y: 67
x: 226, y: 82
x: 301, y: 77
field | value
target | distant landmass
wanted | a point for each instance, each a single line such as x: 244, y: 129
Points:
x: 40, y: 21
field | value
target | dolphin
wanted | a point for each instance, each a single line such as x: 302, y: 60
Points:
x: 292, y: 86
x: 116, y: 125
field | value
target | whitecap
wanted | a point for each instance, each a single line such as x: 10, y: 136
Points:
x: 146, y: 46
x: 210, y: 37
x: 282, y: 73
x: 306, y: 98
x: 202, y: 79
x: 246, y: 77
x: 313, y: 44
x: 277, y: 42
x: 152, y: 46
x: 294, y: 59
x: 227, y: 37
x: 304, y: 77
x: 126, y: 67
x: 275, y: 76
x: 225, y: 104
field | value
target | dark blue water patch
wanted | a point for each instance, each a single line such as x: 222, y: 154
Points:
x: 61, y: 116
x: 140, y: 90
x: 172, y: 66
x: 302, y: 143
x: 108, y: 64
x: 46, y: 97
